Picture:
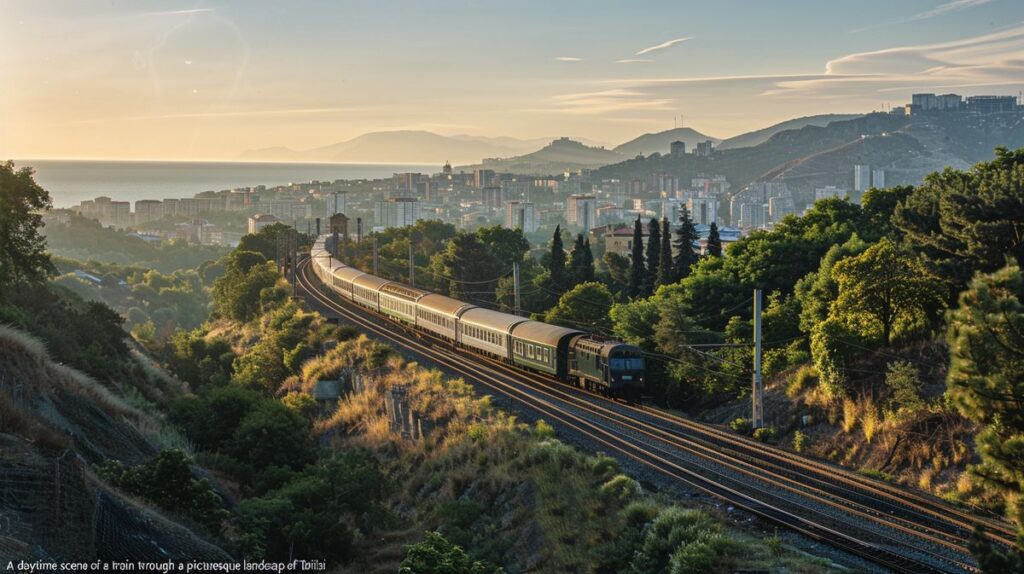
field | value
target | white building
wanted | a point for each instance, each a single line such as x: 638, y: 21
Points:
x: 581, y: 211
x: 861, y: 177
x: 148, y: 210
x: 396, y: 212
x: 878, y: 179
x: 261, y: 220
x: 829, y: 191
x: 520, y: 215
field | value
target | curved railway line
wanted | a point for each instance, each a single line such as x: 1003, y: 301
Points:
x: 894, y: 528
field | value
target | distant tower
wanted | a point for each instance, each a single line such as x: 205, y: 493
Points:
x: 861, y: 177
x: 447, y: 169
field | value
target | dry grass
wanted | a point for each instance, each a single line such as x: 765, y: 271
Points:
x: 869, y: 420
x: 850, y: 413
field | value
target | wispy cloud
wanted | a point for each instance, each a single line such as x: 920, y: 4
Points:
x: 662, y: 46
x: 227, y: 114
x: 633, y: 61
x: 948, y: 8
x: 568, y: 59
x: 181, y: 12
x: 606, y: 101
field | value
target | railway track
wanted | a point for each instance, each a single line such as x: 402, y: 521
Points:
x: 895, y: 529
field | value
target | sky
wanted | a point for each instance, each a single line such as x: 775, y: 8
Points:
x: 206, y: 80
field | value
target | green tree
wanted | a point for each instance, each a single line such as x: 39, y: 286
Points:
x: 585, y: 306
x: 652, y: 256
x: 506, y: 245
x: 818, y: 289
x: 265, y: 241
x: 879, y: 205
x: 967, y: 221
x: 466, y: 265
x: 686, y: 235
x: 168, y: 482
x: 436, y: 555
x: 556, y: 263
x: 637, y: 270
x: 237, y: 293
x: 618, y: 269
x: 666, y: 275
x: 986, y: 377
x: 581, y: 261
x: 23, y: 254
x: 885, y: 289
x: 714, y: 241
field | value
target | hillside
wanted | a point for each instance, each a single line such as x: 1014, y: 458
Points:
x: 908, y: 148
x: 760, y: 136
x: 660, y: 142
x: 54, y: 423
x: 560, y: 155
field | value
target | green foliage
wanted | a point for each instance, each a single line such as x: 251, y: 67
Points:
x: 885, y: 291
x: 464, y: 264
x: 586, y: 306
x: 556, y: 263
x: 581, y: 261
x: 994, y: 560
x: 23, y: 256
x: 312, y: 515
x: 742, y: 425
x: 506, y: 245
x: 435, y: 555
x: 986, y: 377
x: 765, y: 434
x: 816, y: 291
x: 240, y: 292
x: 714, y: 247
x: 805, y: 378
x: 833, y: 346
x: 653, y: 256
x: 168, y: 482
x: 680, y: 541
x: 879, y: 205
x: 198, y: 361
x: 666, y: 270
x: 542, y: 430
x: 265, y: 241
x: 904, y: 382
x: 618, y: 269
x: 686, y: 236
x: 85, y: 239
x: 621, y: 488
x: 967, y: 221
x: 800, y: 441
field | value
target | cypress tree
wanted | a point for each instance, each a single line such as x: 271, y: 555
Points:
x: 588, y: 262
x: 686, y: 236
x: 653, y: 256
x: 637, y: 272
x: 665, y: 271
x: 576, y: 264
x: 557, y: 269
x: 714, y: 241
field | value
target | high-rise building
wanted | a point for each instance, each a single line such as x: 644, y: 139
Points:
x: 705, y: 148
x: 991, y: 104
x: 581, y: 211
x: 520, y: 215
x: 878, y: 178
x: 829, y: 191
x: 677, y: 149
x: 861, y: 177
x: 492, y: 197
x: 396, y: 212
x: 482, y: 177
x: 780, y: 207
x: 148, y: 210
x: 703, y: 210
x: 334, y: 203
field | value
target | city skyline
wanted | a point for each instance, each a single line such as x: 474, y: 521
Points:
x: 208, y: 80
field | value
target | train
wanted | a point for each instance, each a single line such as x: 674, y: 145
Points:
x: 613, y: 368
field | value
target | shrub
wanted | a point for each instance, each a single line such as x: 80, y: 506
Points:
x: 799, y: 441
x: 542, y: 430
x: 765, y: 434
x: 805, y: 378
x: 850, y: 412
x: 869, y: 421
x: 774, y: 543
x: 742, y: 425
x: 621, y: 488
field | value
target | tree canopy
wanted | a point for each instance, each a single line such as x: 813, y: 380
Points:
x: 23, y: 254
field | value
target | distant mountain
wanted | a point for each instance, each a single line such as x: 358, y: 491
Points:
x: 906, y: 148
x: 405, y: 146
x: 660, y: 142
x: 760, y: 136
x: 559, y: 155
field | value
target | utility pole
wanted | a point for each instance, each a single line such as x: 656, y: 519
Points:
x: 758, y: 395
x: 375, y: 255
x: 515, y: 283
x: 359, y: 230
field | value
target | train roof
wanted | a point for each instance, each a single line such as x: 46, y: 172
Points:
x: 368, y: 281
x: 605, y: 348
x: 444, y: 305
x: 490, y: 319
x: 543, y: 333
x: 404, y: 291
x: 345, y: 273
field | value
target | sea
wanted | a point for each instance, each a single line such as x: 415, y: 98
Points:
x: 71, y: 181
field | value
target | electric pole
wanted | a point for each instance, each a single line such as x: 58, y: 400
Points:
x: 758, y: 395
x: 515, y: 284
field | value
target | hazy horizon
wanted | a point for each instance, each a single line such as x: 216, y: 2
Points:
x: 209, y: 80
